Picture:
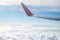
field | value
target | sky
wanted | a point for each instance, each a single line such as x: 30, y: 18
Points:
x: 12, y: 12
x: 13, y: 17
x: 10, y: 9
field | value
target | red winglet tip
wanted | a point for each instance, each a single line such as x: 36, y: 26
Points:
x: 27, y: 11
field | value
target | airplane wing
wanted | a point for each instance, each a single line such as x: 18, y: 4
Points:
x: 29, y: 13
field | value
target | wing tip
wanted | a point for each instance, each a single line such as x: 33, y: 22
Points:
x: 27, y: 11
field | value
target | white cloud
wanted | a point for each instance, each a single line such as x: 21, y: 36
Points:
x: 8, y: 31
x: 32, y: 2
x: 2, y: 3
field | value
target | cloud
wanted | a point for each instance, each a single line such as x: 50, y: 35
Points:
x: 2, y: 3
x: 32, y: 2
x: 43, y: 2
x: 8, y: 2
x: 7, y: 34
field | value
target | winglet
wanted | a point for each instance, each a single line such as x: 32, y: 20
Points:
x: 27, y: 11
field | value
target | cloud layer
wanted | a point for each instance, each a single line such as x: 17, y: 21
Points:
x: 32, y: 2
x: 26, y: 34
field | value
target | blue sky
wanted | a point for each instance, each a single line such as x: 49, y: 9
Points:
x: 11, y: 11
x: 16, y: 14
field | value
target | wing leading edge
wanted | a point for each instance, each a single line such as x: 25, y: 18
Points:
x: 29, y: 13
